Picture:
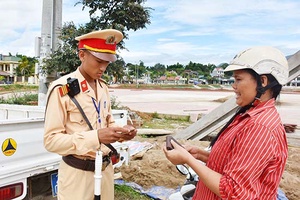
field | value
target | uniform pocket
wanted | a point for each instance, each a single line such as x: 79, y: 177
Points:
x: 76, y: 118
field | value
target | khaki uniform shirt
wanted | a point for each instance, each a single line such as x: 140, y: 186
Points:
x: 66, y: 132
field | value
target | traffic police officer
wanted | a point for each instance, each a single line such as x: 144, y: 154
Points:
x: 78, y: 119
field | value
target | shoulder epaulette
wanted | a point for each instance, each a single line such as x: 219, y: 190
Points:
x: 63, y: 90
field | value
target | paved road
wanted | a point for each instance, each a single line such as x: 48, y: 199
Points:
x: 169, y: 101
x: 187, y: 102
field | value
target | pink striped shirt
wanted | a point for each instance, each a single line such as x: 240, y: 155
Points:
x: 250, y: 154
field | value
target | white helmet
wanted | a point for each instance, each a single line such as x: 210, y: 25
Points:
x: 263, y: 60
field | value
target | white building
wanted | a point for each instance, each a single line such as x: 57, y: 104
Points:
x: 8, y: 64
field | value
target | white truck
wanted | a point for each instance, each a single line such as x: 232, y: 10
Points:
x: 27, y: 170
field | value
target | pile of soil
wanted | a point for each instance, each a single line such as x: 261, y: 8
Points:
x: 152, y: 168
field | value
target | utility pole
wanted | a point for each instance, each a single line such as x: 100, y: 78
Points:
x: 136, y: 75
x: 48, y: 43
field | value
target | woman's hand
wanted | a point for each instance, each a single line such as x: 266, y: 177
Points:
x: 178, y: 155
x: 197, y: 152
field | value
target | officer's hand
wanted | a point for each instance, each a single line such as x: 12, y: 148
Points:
x: 114, y: 134
x: 129, y: 135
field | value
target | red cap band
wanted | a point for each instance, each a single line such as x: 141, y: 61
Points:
x: 97, y: 45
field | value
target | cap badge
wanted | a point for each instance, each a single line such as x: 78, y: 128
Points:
x: 110, y: 39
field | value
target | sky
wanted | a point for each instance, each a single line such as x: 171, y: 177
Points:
x: 200, y: 31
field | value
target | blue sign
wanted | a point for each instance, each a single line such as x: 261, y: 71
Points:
x: 54, y: 184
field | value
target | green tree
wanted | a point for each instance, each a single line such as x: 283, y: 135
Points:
x: 157, y: 71
x: 192, y: 66
x: 131, y: 72
x: 136, y: 70
x: 131, y: 68
x: 26, y: 66
x: 178, y: 68
x: 118, y: 14
x: 141, y: 69
x: 116, y: 70
x: 171, y: 74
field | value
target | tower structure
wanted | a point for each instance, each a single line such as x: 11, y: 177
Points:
x: 48, y: 42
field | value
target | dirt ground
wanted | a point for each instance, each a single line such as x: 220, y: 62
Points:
x: 152, y: 168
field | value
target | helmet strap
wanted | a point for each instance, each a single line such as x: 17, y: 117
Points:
x: 261, y: 90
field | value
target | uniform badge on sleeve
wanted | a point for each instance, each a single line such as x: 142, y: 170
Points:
x: 63, y: 90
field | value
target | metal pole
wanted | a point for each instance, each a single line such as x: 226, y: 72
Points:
x: 98, y: 175
x: 51, y: 26
x: 136, y: 76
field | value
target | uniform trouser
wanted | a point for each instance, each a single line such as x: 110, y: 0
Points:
x: 76, y: 184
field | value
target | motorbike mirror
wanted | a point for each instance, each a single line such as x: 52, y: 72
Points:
x: 182, y: 169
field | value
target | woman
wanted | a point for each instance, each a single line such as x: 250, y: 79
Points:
x: 248, y: 155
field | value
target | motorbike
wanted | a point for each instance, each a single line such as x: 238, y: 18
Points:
x: 187, y: 190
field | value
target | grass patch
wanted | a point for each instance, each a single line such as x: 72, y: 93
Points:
x: 21, y: 99
x: 17, y: 87
x: 155, y: 115
x: 163, y: 121
x: 216, y: 86
x: 123, y: 192
x: 156, y: 86
x: 205, y: 86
